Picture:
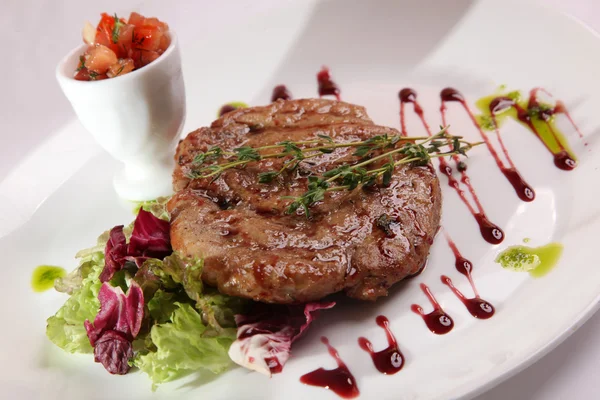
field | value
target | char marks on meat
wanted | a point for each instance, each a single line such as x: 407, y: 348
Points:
x: 360, y: 242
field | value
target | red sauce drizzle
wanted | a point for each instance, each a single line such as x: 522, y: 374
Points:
x: 389, y: 360
x: 522, y: 188
x: 489, y: 231
x: 339, y: 380
x: 559, y: 107
x: 281, y: 92
x: 437, y: 321
x: 478, y: 307
x: 408, y: 95
x: 326, y: 85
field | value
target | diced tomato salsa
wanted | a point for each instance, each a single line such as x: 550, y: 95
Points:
x: 119, y: 46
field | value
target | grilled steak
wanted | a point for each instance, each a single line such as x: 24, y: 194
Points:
x: 360, y: 242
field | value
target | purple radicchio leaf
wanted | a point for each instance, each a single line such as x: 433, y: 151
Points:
x: 150, y: 237
x: 119, y: 320
x: 114, y: 253
x: 265, y: 335
x: 113, y: 351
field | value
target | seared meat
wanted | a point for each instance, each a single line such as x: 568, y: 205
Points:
x: 361, y: 242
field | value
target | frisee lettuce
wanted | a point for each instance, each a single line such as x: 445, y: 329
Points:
x: 65, y: 329
x: 185, y: 345
x: 158, y: 207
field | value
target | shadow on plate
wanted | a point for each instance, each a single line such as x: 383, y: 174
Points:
x: 406, y: 33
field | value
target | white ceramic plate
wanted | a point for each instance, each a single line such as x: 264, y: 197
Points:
x: 373, y: 49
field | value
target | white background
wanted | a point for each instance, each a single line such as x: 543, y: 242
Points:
x: 37, y: 33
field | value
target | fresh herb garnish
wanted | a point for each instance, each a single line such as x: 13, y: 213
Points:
x: 247, y: 154
x: 81, y: 63
x: 394, y: 150
x: 116, y: 29
x: 93, y: 75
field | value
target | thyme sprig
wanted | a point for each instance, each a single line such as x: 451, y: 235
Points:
x: 349, y: 177
x: 394, y: 150
x: 116, y: 29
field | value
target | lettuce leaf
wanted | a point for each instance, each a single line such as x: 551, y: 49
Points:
x: 88, y: 259
x: 65, y: 329
x: 185, y: 345
x: 217, y: 310
x: 162, y: 306
x: 194, y: 326
x: 158, y: 207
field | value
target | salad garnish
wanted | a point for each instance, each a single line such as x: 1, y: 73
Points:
x: 134, y: 303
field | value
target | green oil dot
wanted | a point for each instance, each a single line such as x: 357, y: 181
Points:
x: 43, y: 277
x: 538, y: 261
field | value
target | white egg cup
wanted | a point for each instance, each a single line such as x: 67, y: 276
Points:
x: 137, y: 118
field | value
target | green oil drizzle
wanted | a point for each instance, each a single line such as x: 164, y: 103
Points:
x: 538, y: 261
x: 547, y: 131
x: 43, y: 277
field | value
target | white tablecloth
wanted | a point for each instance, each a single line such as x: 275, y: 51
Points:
x: 37, y: 33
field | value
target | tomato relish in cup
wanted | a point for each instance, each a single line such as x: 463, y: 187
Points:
x: 118, y: 46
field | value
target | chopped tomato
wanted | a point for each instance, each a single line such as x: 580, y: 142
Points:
x: 136, y: 19
x: 106, y: 32
x: 148, y: 56
x: 143, y: 57
x: 121, y: 67
x: 99, y: 58
x: 146, y: 37
x: 156, y: 23
x: 84, y: 75
x: 118, y: 46
x: 165, y: 41
x: 125, y: 38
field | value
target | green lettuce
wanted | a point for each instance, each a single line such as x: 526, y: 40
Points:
x: 185, y: 345
x: 217, y: 310
x: 158, y: 207
x: 65, y: 329
x: 88, y: 259
x: 162, y: 306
